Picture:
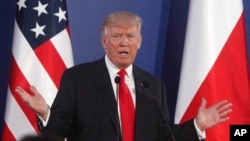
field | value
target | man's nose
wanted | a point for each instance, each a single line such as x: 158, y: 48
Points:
x: 124, y: 41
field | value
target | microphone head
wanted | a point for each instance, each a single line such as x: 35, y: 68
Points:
x: 145, y: 84
x: 117, y: 79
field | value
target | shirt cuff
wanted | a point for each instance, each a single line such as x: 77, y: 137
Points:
x: 45, y: 122
x: 201, y: 135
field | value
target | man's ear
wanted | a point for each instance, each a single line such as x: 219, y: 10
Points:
x: 103, y: 41
x: 139, y: 44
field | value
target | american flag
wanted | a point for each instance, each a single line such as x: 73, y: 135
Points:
x: 41, y: 52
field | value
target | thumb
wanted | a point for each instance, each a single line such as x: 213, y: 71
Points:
x: 203, y: 103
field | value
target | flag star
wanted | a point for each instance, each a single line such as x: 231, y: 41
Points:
x: 61, y: 15
x: 41, y: 8
x: 38, y: 30
x: 21, y: 3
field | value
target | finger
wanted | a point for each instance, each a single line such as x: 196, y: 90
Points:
x: 22, y: 93
x: 225, y: 107
x: 220, y: 103
x: 225, y: 113
x: 20, y: 89
x: 203, y: 103
x: 223, y: 119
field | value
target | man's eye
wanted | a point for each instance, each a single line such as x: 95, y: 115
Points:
x: 131, y: 36
x: 116, y: 36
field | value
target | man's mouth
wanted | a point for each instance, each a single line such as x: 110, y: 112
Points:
x: 123, y: 53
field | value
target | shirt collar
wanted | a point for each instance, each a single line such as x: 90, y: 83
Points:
x: 114, y: 69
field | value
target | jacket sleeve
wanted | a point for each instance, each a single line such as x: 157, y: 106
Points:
x: 184, y: 131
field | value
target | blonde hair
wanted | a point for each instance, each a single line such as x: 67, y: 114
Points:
x: 123, y: 19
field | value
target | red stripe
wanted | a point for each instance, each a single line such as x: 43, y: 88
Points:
x: 18, y: 79
x: 50, y: 59
x: 228, y: 79
x: 68, y: 30
x: 7, y: 135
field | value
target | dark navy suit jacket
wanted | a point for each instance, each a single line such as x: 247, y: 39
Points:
x: 85, y: 108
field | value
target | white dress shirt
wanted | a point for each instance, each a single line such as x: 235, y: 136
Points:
x: 129, y: 78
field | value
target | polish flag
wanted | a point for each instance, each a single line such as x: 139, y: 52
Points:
x: 215, y: 63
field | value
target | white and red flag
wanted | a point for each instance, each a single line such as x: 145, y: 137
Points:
x: 215, y: 63
x: 41, y: 52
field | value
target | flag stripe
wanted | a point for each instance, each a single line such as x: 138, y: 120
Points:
x: 36, y: 75
x: 206, y: 35
x: 7, y: 134
x: 63, y: 48
x: 20, y: 81
x: 12, y: 121
x: 42, y: 53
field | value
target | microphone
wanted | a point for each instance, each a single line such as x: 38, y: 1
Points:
x: 117, y: 81
x: 170, y: 131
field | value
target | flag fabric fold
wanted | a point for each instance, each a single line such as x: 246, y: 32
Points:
x: 41, y: 51
x: 215, y: 63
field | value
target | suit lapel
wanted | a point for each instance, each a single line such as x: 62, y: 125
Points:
x: 140, y: 115
x: 141, y: 125
x: 107, y: 93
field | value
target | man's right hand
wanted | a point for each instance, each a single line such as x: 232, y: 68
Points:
x: 36, y: 102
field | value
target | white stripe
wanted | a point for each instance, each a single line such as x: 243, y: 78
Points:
x: 63, y: 46
x: 15, y: 119
x: 31, y: 67
x: 210, y: 23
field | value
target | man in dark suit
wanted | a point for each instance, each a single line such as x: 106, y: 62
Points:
x: 86, y: 107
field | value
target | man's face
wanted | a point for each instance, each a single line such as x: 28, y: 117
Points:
x: 121, y: 45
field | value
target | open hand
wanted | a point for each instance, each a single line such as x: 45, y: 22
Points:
x: 213, y: 115
x: 36, y: 102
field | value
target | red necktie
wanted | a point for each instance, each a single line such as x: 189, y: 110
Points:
x: 127, y: 110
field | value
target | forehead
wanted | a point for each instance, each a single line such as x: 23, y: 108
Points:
x: 123, y: 29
